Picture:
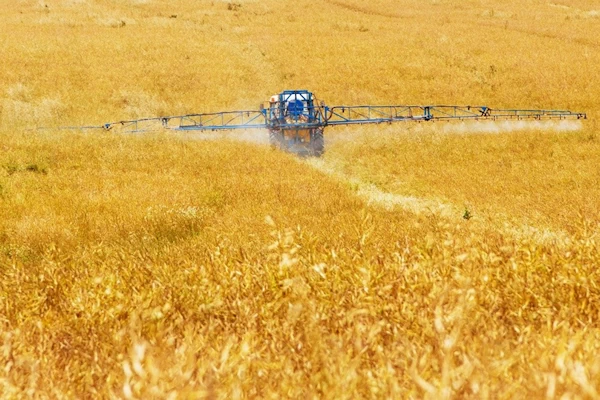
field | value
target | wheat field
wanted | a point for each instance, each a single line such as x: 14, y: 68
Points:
x: 414, y: 260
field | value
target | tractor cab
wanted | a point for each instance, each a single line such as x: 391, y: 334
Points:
x: 291, y: 108
x: 296, y: 108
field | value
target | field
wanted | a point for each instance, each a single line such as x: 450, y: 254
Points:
x: 423, y: 260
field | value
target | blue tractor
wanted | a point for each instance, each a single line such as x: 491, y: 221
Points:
x: 295, y: 122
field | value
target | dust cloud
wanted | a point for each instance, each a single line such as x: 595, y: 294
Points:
x: 258, y: 136
x: 261, y: 137
x: 492, y: 127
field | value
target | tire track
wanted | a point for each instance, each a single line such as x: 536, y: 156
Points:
x: 375, y: 197
x: 364, y: 10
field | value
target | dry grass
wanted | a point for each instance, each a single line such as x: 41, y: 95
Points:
x: 159, y: 267
x: 526, y: 176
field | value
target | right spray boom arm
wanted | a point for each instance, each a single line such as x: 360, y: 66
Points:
x: 348, y: 115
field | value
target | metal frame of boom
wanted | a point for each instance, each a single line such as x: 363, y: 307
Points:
x: 310, y: 114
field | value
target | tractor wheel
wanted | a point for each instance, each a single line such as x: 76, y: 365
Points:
x: 276, y: 139
x: 318, y: 143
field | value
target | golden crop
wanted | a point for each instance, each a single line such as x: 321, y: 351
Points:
x: 411, y: 261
